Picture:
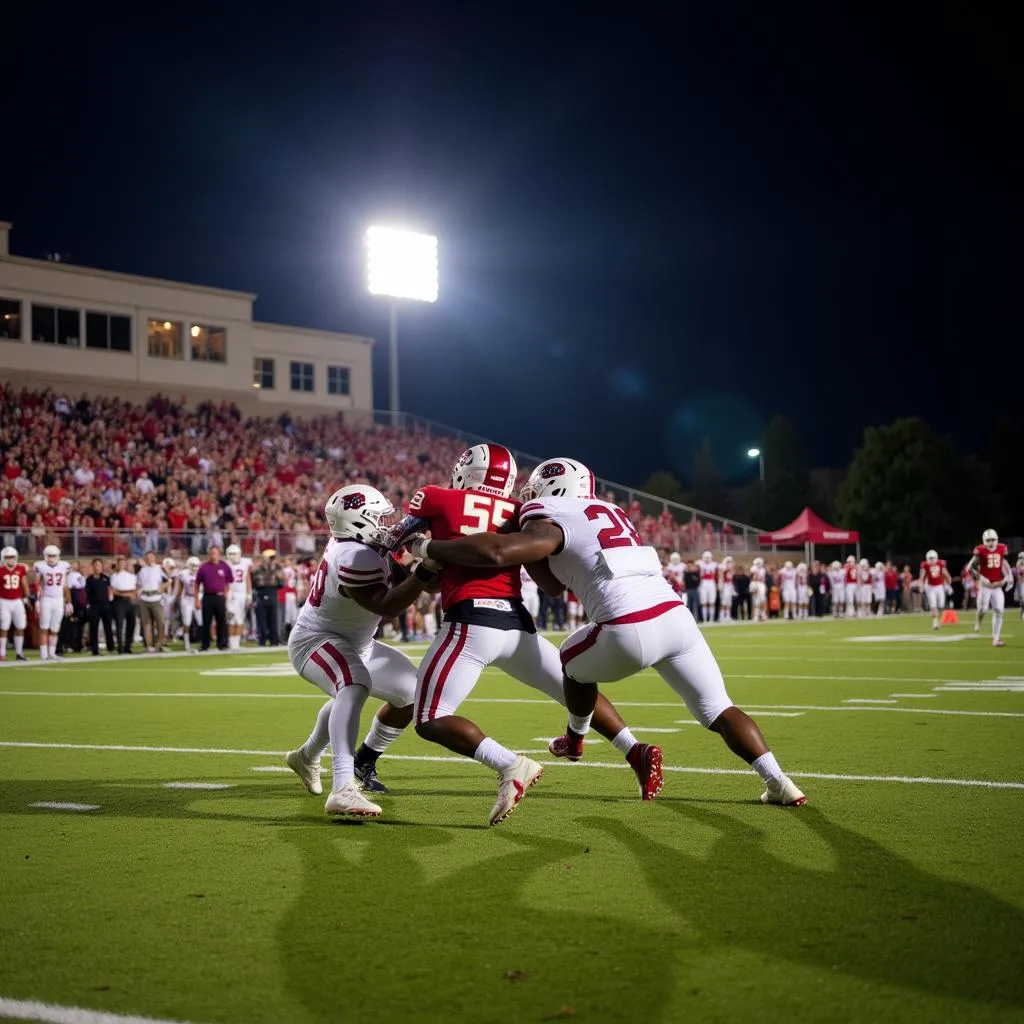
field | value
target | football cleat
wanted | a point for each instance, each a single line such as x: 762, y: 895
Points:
x: 20, y: 657
x: 567, y: 746
x: 513, y: 783
x: 998, y: 643
x: 308, y: 772
x: 348, y: 802
x: 645, y: 760
x: 782, y: 791
x: 368, y: 780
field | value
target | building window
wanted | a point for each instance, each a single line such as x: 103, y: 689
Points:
x: 209, y: 344
x: 109, y: 331
x: 10, y: 319
x: 263, y: 373
x: 337, y: 380
x: 165, y: 339
x: 302, y: 376
x: 54, y: 326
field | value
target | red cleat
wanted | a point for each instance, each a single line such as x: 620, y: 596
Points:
x: 645, y: 760
x: 569, y: 745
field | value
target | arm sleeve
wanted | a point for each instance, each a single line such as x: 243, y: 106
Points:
x: 358, y: 565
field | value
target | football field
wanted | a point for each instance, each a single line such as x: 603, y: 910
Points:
x: 157, y: 860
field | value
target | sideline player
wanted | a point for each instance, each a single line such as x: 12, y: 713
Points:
x: 708, y: 569
x: 726, y: 590
x: 332, y: 646
x: 934, y: 578
x: 591, y: 546
x: 990, y: 567
x: 185, y: 592
x: 13, y: 602
x: 239, y: 595
x: 485, y: 624
x: 787, y: 578
x: 758, y: 589
x: 837, y: 587
x: 54, y: 599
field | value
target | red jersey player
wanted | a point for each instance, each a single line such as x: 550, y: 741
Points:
x: 13, y: 598
x: 486, y: 623
x: 935, y: 577
x: 989, y: 566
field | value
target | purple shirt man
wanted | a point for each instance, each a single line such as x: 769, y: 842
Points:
x: 212, y: 580
x: 213, y: 577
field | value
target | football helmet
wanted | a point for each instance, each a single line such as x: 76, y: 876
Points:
x: 233, y: 554
x: 851, y: 560
x: 758, y: 563
x: 727, y: 562
x: 489, y: 468
x: 192, y: 564
x: 801, y: 567
x: 674, y: 558
x: 559, y: 478
x: 990, y: 539
x: 706, y: 557
x: 1020, y: 558
x: 837, y: 564
x: 788, y: 565
x: 359, y: 512
x: 169, y: 565
x: 932, y: 556
x: 865, y: 564
x: 51, y: 553
x: 10, y: 557
x: 878, y: 565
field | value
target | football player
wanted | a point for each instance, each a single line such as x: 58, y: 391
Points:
x: 54, y: 599
x: 758, y: 589
x: 991, y: 569
x: 934, y: 578
x: 591, y: 546
x: 708, y: 569
x: 837, y: 588
x: 13, y: 602
x: 675, y: 571
x: 356, y: 586
x: 239, y: 595
x: 1019, y: 574
x: 485, y: 623
x: 726, y: 590
x: 185, y: 595
x: 787, y: 580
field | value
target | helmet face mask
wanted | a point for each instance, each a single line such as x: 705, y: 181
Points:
x: 559, y: 478
x: 233, y: 554
x: 10, y: 557
x: 932, y: 556
x: 489, y: 468
x: 192, y: 564
x: 51, y: 553
x: 360, y: 512
x: 990, y: 539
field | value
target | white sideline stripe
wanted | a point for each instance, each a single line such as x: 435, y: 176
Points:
x: 869, y: 700
x: 199, y: 785
x: 980, y: 689
x: 56, y: 805
x: 906, y: 711
x: 916, y: 696
x: 50, y: 1013
x: 980, y: 783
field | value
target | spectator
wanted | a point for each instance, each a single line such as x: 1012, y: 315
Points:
x: 124, y: 589
x: 212, y: 581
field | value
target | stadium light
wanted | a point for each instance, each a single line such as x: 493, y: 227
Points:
x: 756, y: 453
x: 400, y: 265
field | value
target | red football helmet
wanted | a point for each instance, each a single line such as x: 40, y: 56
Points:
x: 486, y: 467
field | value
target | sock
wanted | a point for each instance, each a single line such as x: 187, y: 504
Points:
x: 343, y: 727
x: 52, y: 644
x: 3, y: 647
x: 493, y: 755
x: 235, y: 642
x: 320, y: 736
x: 378, y: 739
x: 188, y: 642
x: 767, y: 767
x: 624, y: 741
x: 43, y: 656
x: 997, y: 624
x: 580, y: 724
x: 19, y: 644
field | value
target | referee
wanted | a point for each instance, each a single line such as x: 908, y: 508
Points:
x: 212, y: 580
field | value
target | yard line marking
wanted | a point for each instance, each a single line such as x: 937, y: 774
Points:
x: 51, y: 1013
x: 684, y: 770
x: 906, y: 711
x: 56, y: 805
x: 125, y: 693
x: 869, y: 700
x: 200, y: 785
x: 916, y: 696
x: 980, y: 689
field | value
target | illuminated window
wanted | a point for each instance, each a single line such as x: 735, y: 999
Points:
x: 302, y: 376
x: 51, y: 326
x: 209, y: 344
x: 164, y: 339
x: 109, y: 331
x: 263, y: 373
x: 337, y: 380
x: 10, y: 319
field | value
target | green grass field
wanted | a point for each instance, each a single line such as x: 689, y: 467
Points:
x: 897, y: 894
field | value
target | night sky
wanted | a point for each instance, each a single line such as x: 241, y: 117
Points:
x: 652, y: 229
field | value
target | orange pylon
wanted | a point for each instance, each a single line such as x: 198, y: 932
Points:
x: 949, y: 617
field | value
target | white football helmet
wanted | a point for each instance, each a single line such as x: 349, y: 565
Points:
x: 851, y: 560
x: 932, y: 556
x: 879, y: 565
x: 489, y: 468
x: 990, y: 539
x: 788, y: 565
x: 1020, y: 558
x: 233, y: 553
x: 356, y: 513
x: 192, y: 564
x: 837, y: 564
x: 51, y: 553
x: 559, y: 478
x: 706, y: 557
x: 865, y: 564
x: 674, y: 558
x: 727, y: 562
x: 801, y: 567
x: 169, y: 565
x: 758, y: 563
x: 10, y: 557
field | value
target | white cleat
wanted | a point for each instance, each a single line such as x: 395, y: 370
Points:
x: 308, y: 772
x: 513, y: 783
x: 350, y: 802
x: 782, y: 791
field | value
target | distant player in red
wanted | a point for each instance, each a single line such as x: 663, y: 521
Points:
x: 13, y: 600
x: 935, y: 578
x: 991, y: 569
x: 486, y: 623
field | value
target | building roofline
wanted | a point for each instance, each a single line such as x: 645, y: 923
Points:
x: 312, y: 332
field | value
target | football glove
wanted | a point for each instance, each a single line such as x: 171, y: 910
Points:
x: 416, y: 545
x: 397, y: 535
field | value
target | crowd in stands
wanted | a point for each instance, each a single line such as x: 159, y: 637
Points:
x: 127, y: 478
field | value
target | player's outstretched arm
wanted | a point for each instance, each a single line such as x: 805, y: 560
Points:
x: 538, y: 539
x: 389, y: 602
x: 972, y: 567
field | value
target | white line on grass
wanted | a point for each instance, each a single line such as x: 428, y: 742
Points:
x: 199, y: 785
x: 50, y: 1013
x: 916, y: 696
x: 869, y: 700
x: 56, y: 805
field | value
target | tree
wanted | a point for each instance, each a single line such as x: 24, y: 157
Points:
x: 664, y: 485
x: 787, y: 486
x: 1005, y: 445
x: 708, y: 492
x: 907, y: 490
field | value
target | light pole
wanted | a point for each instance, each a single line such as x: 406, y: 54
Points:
x: 400, y: 265
x: 756, y: 453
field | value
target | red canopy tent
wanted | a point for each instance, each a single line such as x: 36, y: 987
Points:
x: 807, y: 530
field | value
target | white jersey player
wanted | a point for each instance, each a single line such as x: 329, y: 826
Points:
x: 531, y: 593
x: 674, y: 573
x: 239, y: 597
x: 54, y: 599
x: 708, y: 592
x: 332, y: 646
x: 758, y: 589
x: 878, y: 587
x: 185, y: 594
x: 787, y: 584
x: 291, y: 595
x: 726, y: 589
x: 638, y: 621
x: 837, y: 586
x: 803, y: 591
